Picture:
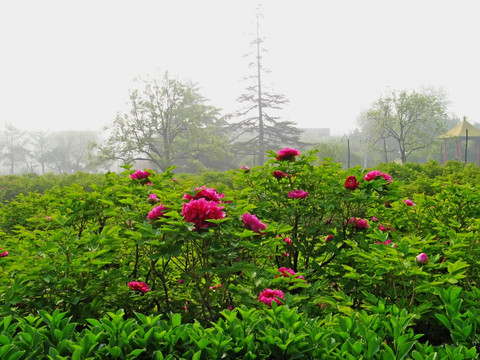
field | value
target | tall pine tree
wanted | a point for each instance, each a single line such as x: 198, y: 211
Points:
x: 256, y: 127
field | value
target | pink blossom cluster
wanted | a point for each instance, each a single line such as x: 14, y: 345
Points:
x: 138, y: 286
x: 267, y: 296
x: 386, y: 242
x: 286, y: 272
x: 375, y: 173
x: 3, y: 254
x: 288, y: 241
x: 383, y: 228
x: 359, y: 223
x: 288, y: 154
x: 139, y: 175
x: 251, y: 222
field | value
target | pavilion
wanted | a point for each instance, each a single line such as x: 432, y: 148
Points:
x: 464, y: 131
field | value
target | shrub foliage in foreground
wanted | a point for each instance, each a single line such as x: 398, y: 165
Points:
x: 358, y: 267
x: 384, y: 332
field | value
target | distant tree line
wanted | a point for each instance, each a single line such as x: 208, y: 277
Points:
x: 46, y: 151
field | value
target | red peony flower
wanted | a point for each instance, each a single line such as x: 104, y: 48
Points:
x: 287, y: 154
x: 139, y: 174
x: 138, y: 286
x: 329, y: 237
x: 298, y: 194
x: 279, y: 174
x: 156, y: 212
x: 288, y: 241
x: 269, y: 295
x: 200, y: 210
x: 251, y: 222
x: 409, y: 202
x: 351, y: 183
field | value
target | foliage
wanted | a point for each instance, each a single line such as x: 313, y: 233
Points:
x: 342, y: 246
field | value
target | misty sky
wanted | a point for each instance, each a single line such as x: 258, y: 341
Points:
x: 69, y: 64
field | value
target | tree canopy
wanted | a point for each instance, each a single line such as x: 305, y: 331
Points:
x: 405, y: 121
x: 168, y: 123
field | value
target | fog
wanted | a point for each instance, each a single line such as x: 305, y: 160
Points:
x: 69, y: 65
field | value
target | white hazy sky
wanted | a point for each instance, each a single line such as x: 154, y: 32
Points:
x: 70, y: 64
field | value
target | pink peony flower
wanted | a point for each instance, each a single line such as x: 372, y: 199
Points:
x: 180, y: 281
x: 298, y: 194
x: 329, y: 237
x: 138, y: 286
x: 139, y: 175
x: 386, y: 242
x: 287, y: 154
x: 422, y: 259
x: 215, y: 287
x: 372, y: 175
x: 409, y: 202
x: 375, y: 173
x: 174, y: 180
x: 382, y: 228
x: 3, y: 254
x: 285, y: 271
x: 200, y: 210
x: 286, y: 254
x: 269, y: 295
x: 387, y: 177
x: 359, y: 223
x: 288, y: 241
x: 246, y: 169
x: 251, y: 222
x: 206, y: 193
x: 152, y: 199
x: 48, y: 218
x: 156, y: 212
x: 351, y: 183
x: 279, y: 174
x: 374, y: 218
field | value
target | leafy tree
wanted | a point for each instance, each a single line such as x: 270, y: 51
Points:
x: 405, y: 121
x: 70, y: 151
x: 257, y: 116
x: 168, y: 123
x: 41, y: 145
x: 14, y: 150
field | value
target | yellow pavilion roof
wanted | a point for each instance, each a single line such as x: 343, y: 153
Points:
x: 460, y: 130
